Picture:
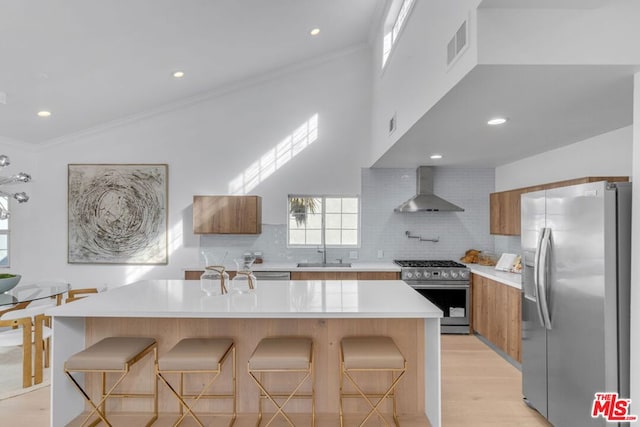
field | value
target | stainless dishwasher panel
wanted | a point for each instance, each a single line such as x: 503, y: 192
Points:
x: 272, y: 275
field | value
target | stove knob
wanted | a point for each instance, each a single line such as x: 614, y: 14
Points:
x: 445, y: 275
x: 409, y: 275
x: 454, y: 274
x: 464, y: 274
x: 418, y: 275
x: 427, y: 274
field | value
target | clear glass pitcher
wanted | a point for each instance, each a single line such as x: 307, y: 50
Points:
x: 214, y: 280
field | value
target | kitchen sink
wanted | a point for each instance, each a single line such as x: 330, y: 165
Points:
x: 324, y: 265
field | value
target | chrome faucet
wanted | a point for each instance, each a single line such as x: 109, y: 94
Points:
x: 323, y: 251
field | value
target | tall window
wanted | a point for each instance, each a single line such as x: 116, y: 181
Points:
x: 4, y: 235
x: 317, y: 220
x: 397, y: 16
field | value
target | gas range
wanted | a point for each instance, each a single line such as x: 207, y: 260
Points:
x: 446, y: 284
x: 433, y: 270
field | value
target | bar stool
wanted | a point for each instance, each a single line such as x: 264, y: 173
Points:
x: 283, y: 355
x: 195, y: 356
x: 112, y: 355
x: 370, y: 354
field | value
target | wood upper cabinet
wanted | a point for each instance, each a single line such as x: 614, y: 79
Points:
x: 227, y: 214
x: 504, y: 206
x: 496, y: 314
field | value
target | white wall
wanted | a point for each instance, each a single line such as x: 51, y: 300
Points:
x: 635, y: 250
x: 608, y: 154
x: 605, y: 35
x: 416, y: 75
x: 206, y: 145
x: 22, y: 240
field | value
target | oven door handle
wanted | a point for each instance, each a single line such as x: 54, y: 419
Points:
x: 438, y: 286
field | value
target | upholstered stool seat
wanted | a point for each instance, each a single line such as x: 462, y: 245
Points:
x: 196, y: 356
x: 112, y: 355
x: 370, y: 354
x: 283, y: 355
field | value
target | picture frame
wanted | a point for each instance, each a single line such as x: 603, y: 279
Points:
x: 117, y: 214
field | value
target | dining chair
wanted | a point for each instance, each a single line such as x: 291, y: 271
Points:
x: 76, y: 294
x: 25, y: 327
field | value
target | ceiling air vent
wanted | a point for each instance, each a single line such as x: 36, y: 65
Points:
x: 457, y: 43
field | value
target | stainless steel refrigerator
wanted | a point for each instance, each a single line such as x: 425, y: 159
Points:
x: 576, y: 244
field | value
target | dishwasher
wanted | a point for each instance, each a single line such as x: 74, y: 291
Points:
x: 272, y: 275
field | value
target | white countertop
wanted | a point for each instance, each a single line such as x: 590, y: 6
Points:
x: 273, y: 299
x: 510, y: 279
x: 292, y: 266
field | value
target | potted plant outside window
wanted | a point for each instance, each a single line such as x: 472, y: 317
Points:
x: 299, y: 207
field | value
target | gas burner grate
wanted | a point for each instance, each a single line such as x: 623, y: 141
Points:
x: 429, y: 263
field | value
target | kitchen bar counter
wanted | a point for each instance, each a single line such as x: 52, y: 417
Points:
x: 292, y: 266
x: 510, y: 279
x: 169, y: 310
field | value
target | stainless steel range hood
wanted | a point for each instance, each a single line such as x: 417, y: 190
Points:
x: 425, y: 200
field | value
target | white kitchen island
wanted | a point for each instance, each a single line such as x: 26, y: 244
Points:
x: 169, y: 310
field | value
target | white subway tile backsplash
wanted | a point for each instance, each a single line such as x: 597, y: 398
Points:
x: 382, y: 228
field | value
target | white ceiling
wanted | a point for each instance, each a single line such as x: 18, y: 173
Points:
x: 93, y: 61
x: 547, y: 107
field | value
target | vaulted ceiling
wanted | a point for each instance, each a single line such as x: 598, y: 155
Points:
x: 90, y: 62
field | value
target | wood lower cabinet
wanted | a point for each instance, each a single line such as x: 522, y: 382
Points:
x: 324, y: 275
x: 504, y: 206
x: 227, y: 214
x: 195, y: 275
x: 320, y: 275
x: 496, y: 314
x: 378, y: 275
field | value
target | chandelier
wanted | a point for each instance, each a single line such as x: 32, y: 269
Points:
x: 8, y: 180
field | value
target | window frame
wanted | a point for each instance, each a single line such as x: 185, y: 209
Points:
x: 323, y: 213
x: 5, y: 201
x: 389, y: 27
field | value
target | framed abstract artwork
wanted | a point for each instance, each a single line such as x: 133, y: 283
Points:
x: 117, y: 213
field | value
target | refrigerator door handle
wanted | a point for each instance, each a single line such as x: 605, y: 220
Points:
x: 543, y: 271
x: 536, y: 278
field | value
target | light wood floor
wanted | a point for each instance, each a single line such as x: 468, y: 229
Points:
x: 479, y: 388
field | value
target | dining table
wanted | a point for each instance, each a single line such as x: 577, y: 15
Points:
x: 28, y: 296
x: 23, y: 295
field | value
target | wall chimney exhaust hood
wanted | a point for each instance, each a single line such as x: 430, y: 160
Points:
x: 425, y: 200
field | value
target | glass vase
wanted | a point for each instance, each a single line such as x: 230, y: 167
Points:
x: 214, y: 280
x: 243, y: 283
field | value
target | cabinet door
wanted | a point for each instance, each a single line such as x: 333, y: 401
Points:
x: 227, y: 214
x: 324, y: 275
x: 195, y: 275
x: 514, y: 326
x: 378, y: 275
x: 505, y: 212
x: 480, y: 305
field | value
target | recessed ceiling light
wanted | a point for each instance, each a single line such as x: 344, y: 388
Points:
x: 178, y: 74
x: 44, y: 113
x: 436, y: 156
x: 497, y: 121
x: 315, y: 31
